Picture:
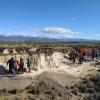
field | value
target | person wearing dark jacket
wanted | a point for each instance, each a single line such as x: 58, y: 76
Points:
x: 10, y: 62
x: 29, y: 64
x: 93, y: 53
x: 81, y: 58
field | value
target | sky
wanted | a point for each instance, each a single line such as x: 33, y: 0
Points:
x: 51, y: 18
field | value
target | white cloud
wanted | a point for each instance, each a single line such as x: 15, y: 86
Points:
x: 58, y: 32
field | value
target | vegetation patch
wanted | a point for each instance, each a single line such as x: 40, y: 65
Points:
x: 88, y: 88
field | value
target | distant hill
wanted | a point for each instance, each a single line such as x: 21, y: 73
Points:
x: 42, y: 39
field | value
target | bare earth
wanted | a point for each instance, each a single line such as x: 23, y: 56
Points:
x: 58, y: 78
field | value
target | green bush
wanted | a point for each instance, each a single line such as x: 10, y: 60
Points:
x: 82, y: 88
x: 90, y: 84
x: 97, y: 88
x: 95, y: 78
x: 75, y: 91
x: 93, y: 97
x: 90, y: 90
x: 98, y: 96
x: 97, y: 83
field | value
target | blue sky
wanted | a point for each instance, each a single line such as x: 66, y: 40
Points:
x: 51, y: 18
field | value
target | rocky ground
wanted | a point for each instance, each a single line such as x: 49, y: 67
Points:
x: 42, y: 87
x: 62, y: 82
x: 48, y: 85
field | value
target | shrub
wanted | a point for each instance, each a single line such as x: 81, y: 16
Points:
x: 31, y: 98
x: 17, y: 98
x: 93, y: 97
x: 53, y: 88
x: 31, y: 90
x: 82, y: 88
x: 90, y: 90
x: 59, y: 94
x: 98, y: 96
x: 29, y: 87
x: 71, y: 87
x: 90, y: 84
x: 67, y: 87
x: 90, y: 98
x: 97, y: 88
x: 97, y: 83
x: 95, y: 78
x: 48, y: 92
x: 37, y: 91
x: 75, y: 91
x: 85, y: 81
x: 3, y: 91
x: 14, y: 91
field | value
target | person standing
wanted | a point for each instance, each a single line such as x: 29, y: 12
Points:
x: 10, y: 62
x: 17, y: 66
x: 80, y: 58
x: 14, y: 67
x: 21, y: 65
x: 75, y: 55
x: 93, y: 53
x: 29, y: 65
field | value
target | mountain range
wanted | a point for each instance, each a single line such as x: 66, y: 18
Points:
x: 43, y: 39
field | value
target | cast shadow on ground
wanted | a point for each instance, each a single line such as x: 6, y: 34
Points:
x: 4, y: 72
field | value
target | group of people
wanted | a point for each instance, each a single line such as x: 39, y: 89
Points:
x: 17, y: 66
x: 80, y: 54
x: 95, y: 54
